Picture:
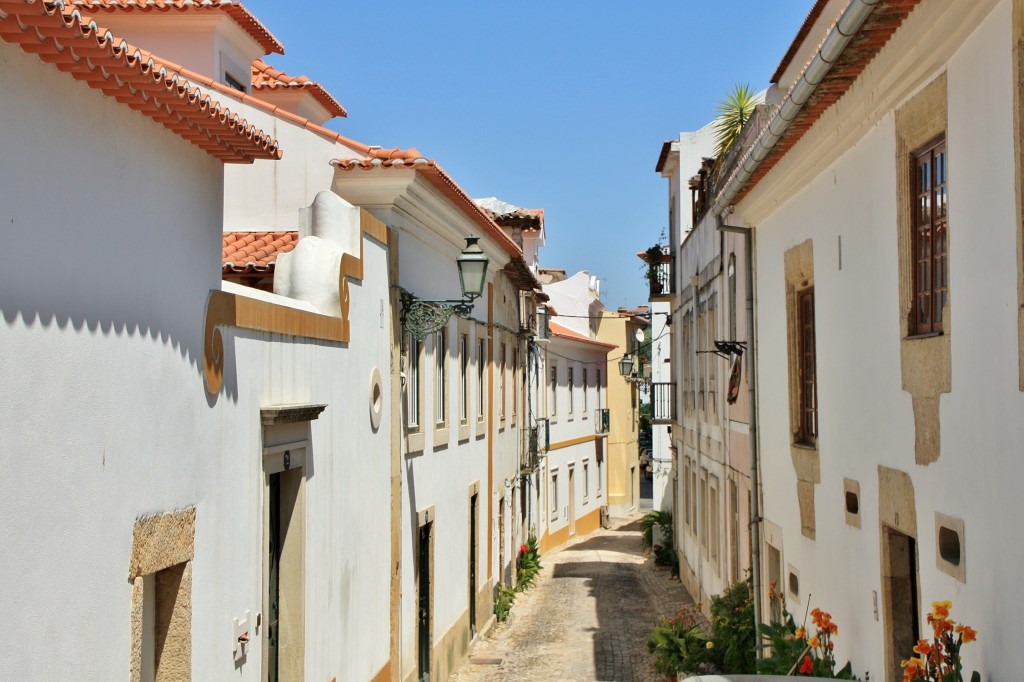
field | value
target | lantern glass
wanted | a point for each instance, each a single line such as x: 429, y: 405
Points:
x: 626, y: 365
x: 472, y: 268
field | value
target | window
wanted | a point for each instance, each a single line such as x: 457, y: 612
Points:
x: 712, y: 359
x: 704, y: 510
x: 586, y: 480
x: 554, y: 494
x: 807, y: 398
x: 599, y: 389
x: 501, y: 382
x: 585, y: 387
x: 515, y: 383
x: 929, y: 239
x: 412, y: 390
x: 599, y: 477
x: 463, y: 378
x: 572, y: 388
x: 440, y: 384
x: 686, y: 490
x: 481, y: 357
x: 713, y: 524
x: 693, y: 496
x: 234, y: 83
x: 553, y: 410
x: 732, y: 297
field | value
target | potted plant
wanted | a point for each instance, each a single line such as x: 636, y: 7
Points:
x: 653, y: 258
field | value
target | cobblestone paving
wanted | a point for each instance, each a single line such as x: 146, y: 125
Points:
x: 587, y: 618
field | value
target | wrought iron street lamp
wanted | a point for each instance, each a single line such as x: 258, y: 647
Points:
x: 626, y: 365
x: 421, y: 317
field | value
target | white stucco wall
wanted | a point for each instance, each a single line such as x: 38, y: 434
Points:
x: 566, y: 428
x: 90, y: 334
x: 866, y: 418
x: 103, y: 298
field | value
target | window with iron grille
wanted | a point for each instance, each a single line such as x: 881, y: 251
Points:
x: 412, y: 390
x: 440, y: 377
x: 463, y: 378
x: 807, y: 433
x: 501, y: 381
x: 572, y: 387
x: 929, y: 238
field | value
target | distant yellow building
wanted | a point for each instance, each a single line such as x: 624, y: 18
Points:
x: 621, y: 329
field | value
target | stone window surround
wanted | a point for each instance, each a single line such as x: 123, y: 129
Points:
x: 158, y: 543
x: 925, y: 361
x: 799, y: 276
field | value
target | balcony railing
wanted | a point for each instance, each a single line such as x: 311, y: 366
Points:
x: 602, y: 421
x: 660, y: 277
x: 663, y: 403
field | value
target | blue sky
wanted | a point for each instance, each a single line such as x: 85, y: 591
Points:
x: 557, y: 104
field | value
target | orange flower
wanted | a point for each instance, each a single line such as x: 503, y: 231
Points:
x: 924, y: 647
x: 801, y: 633
x: 940, y: 609
x: 814, y: 642
x: 940, y: 626
x: 967, y: 633
x: 913, y: 668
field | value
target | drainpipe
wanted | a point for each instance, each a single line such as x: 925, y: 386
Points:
x: 850, y: 22
x: 755, y: 463
x: 695, y: 283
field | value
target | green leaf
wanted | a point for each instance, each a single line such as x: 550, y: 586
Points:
x: 733, y: 112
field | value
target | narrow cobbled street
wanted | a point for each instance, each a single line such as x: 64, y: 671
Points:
x: 587, y: 618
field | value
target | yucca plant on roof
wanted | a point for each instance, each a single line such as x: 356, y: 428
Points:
x: 733, y: 113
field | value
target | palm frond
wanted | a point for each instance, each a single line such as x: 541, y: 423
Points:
x: 733, y: 113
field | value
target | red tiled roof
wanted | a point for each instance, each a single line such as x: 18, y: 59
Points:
x: 876, y: 31
x: 60, y: 37
x: 266, y: 77
x: 263, y: 105
x: 516, y: 269
x: 801, y: 36
x: 232, y: 8
x: 245, y: 252
x: 412, y: 159
x: 566, y: 333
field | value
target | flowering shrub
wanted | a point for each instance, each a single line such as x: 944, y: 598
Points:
x: 792, y: 651
x: 938, y: 660
x: 528, y: 564
x: 680, y: 644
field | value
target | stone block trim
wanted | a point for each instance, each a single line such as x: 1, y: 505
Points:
x: 799, y: 271
x: 925, y: 362
x: 161, y: 541
x: 163, y: 546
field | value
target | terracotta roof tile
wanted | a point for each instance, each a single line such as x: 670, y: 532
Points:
x: 261, y: 104
x: 266, y: 77
x: 59, y: 36
x: 245, y: 252
x: 411, y: 159
x: 232, y: 8
x: 380, y: 160
x: 878, y: 28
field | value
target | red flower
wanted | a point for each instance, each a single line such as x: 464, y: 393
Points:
x: 524, y: 549
x: 807, y: 666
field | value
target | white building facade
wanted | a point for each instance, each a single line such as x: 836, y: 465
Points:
x: 887, y: 222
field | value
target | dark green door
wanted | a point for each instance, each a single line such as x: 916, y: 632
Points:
x: 423, y: 587
x: 472, y: 566
x: 274, y: 577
